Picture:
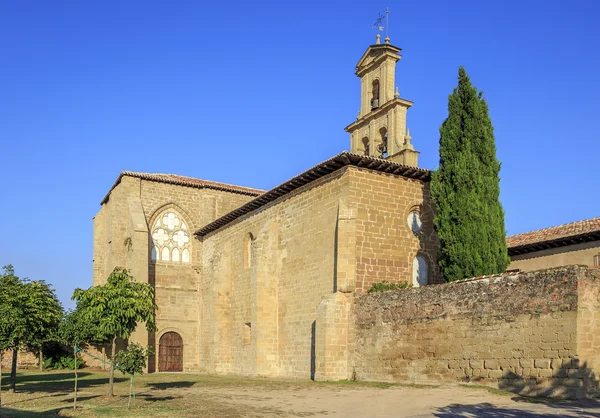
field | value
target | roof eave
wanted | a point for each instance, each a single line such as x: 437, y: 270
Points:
x: 554, y: 243
x: 320, y: 170
x: 206, y: 184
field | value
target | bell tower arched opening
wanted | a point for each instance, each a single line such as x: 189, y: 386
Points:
x: 375, y: 95
x: 366, y: 146
x: 380, y: 106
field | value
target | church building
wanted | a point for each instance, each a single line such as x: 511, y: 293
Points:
x: 261, y: 283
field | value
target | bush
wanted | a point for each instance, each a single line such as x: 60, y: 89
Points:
x: 385, y: 285
x: 48, y: 363
x: 64, y: 361
x: 68, y: 362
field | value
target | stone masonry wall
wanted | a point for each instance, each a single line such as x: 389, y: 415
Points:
x: 385, y: 243
x: 532, y: 333
x: 262, y: 280
x: 277, y: 284
x: 24, y: 359
x: 122, y: 231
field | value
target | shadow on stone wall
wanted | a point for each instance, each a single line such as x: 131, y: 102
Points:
x: 313, y: 352
x: 152, y: 359
x: 571, y: 381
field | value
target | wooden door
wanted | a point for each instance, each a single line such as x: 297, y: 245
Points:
x: 170, y: 353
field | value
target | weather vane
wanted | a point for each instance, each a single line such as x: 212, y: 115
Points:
x: 379, y: 21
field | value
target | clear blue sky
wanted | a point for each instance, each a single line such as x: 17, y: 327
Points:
x: 252, y: 93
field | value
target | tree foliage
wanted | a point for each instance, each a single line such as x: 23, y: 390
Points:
x: 385, y: 285
x: 466, y: 189
x: 117, y: 307
x: 11, y: 325
x: 132, y: 361
x: 9, y: 320
x: 29, y: 314
x: 74, y: 331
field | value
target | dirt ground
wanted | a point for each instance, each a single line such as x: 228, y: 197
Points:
x: 193, y: 395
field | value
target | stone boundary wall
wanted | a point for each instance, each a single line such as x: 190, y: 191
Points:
x: 25, y: 359
x: 532, y: 333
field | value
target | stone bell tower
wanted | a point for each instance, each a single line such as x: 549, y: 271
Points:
x: 380, y: 128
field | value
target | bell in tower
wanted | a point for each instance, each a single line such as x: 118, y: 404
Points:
x: 380, y: 128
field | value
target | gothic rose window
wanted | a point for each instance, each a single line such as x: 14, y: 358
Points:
x: 170, y: 238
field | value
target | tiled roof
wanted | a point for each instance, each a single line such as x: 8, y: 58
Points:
x: 556, y: 236
x: 318, y: 171
x: 185, y: 181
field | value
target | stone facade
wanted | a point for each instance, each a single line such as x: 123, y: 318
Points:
x: 122, y: 237
x: 275, y: 283
x: 248, y: 300
x: 246, y: 293
x: 270, y: 270
x: 532, y: 333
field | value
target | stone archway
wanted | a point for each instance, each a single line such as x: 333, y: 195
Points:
x: 170, y: 352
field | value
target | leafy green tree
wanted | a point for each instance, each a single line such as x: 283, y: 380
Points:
x: 466, y: 189
x: 9, y: 316
x: 75, y: 331
x: 132, y: 361
x: 35, y: 313
x: 45, y: 313
x: 117, y: 307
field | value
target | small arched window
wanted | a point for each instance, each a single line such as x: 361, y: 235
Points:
x: 375, y: 95
x: 170, y: 238
x: 420, y: 271
x: 366, y: 146
x: 249, y: 243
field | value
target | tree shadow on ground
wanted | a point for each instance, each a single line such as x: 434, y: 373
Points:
x: 488, y: 410
x: 80, y: 398
x: 151, y: 398
x: 9, y: 412
x: 45, y: 377
x: 170, y: 385
x: 52, y: 395
x: 63, y: 385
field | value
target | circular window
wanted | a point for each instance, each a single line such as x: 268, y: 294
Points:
x: 414, y: 221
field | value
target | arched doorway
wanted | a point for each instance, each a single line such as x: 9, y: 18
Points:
x: 170, y: 353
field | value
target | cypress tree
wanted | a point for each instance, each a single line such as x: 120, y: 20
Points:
x: 466, y: 189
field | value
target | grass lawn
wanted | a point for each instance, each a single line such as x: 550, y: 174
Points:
x: 41, y: 394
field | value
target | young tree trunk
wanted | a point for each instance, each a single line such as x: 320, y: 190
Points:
x: 103, y: 357
x: 1, y: 378
x: 75, y: 397
x: 13, y: 372
x: 41, y: 359
x: 130, y: 391
x: 112, y: 367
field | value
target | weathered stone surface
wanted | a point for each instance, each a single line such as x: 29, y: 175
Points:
x: 536, y: 328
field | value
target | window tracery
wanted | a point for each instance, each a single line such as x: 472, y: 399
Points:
x: 170, y: 238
